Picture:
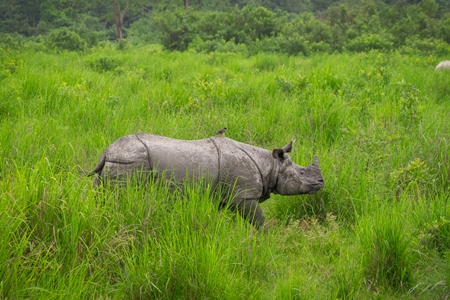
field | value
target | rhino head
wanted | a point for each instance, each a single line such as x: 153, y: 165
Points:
x: 294, y: 179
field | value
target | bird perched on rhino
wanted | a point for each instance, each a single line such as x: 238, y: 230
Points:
x: 221, y: 131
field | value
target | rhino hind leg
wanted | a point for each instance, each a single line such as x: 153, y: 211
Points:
x: 251, y: 211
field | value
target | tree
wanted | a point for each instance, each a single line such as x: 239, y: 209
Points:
x: 119, y: 12
x: 19, y: 16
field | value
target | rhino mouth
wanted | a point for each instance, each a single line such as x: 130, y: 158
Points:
x: 320, y: 184
x: 305, y: 188
x: 314, y: 187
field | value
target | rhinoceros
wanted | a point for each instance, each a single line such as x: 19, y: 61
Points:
x: 443, y: 65
x: 249, y: 173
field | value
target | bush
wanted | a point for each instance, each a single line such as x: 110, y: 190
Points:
x: 122, y: 44
x: 90, y: 29
x: 217, y: 45
x: 144, y: 31
x: 10, y: 46
x: 104, y: 64
x: 367, y: 42
x: 294, y: 44
x: 444, y: 29
x: 429, y: 46
x: 65, y: 39
x: 11, y: 42
x: 177, y: 28
x: 90, y: 37
x: 257, y: 23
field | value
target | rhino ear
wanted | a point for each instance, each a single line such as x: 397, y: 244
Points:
x: 288, y: 147
x: 316, y: 162
x: 278, y: 153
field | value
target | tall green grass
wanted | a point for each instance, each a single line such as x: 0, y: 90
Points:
x: 379, y: 228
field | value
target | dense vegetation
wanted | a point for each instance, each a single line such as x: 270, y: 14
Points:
x: 378, y: 122
x: 352, y: 81
x: 289, y: 27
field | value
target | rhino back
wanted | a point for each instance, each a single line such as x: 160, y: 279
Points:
x: 246, y: 168
x: 179, y: 159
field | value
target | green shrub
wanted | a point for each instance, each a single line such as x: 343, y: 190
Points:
x: 436, y: 235
x: 177, y: 28
x: 144, y: 31
x: 91, y: 37
x: 267, y: 45
x: 410, y: 100
x: 367, y: 42
x: 444, y: 29
x: 10, y: 46
x: 65, y: 39
x: 11, y: 42
x: 122, y: 44
x: 425, y: 46
x: 257, y: 23
x: 294, y: 44
x: 305, y: 34
x: 90, y: 29
x: 310, y: 28
x: 104, y: 64
x: 320, y: 47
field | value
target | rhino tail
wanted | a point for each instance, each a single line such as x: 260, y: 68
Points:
x: 99, y: 166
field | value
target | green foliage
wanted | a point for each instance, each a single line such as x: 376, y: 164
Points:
x: 410, y: 103
x: 65, y: 39
x: 122, y: 44
x: 377, y: 121
x: 425, y: 46
x: 104, y: 64
x: 293, y: 44
x: 11, y: 42
x: 367, y: 42
x: 90, y: 29
x: 10, y: 63
x: 177, y: 28
x: 145, y: 30
x: 385, y: 250
x: 255, y: 23
x: 436, y: 235
x: 444, y: 28
x: 316, y: 26
x: 308, y: 26
x: 217, y: 46
x: 414, y: 178
x: 442, y: 86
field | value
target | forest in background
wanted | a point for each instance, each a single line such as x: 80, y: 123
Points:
x: 278, y: 26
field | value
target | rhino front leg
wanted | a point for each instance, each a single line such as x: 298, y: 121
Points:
x: 251, y: 211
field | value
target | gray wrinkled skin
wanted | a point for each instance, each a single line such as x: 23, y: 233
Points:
x: 249, y: 172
